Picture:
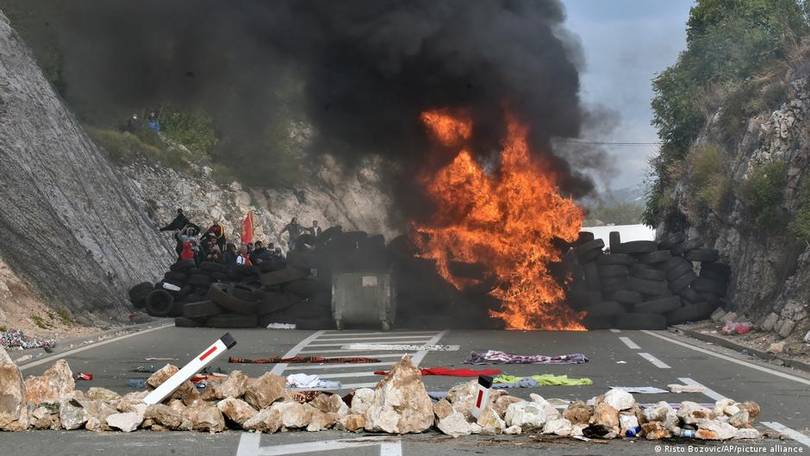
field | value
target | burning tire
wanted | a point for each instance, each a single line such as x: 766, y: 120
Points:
x: 583, y: 237
x: 640, y: 321
x: 232, y: 321
x: 201, y: 309
x: 159, y: 303
x: 613, y: 284
x: 658, y: 306
x: 606, y: 308
x: 703, y: 255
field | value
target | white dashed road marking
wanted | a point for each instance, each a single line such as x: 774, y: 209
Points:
x: 655, y: 361
x: 250, y: 445
x: 793, y: 434
x: 615, y: 330
x: 706, y: 390
x: 630, y: 344
x: 771, y: 371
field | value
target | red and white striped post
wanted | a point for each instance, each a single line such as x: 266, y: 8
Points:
x: 166, y: 388
x: 482, y: 395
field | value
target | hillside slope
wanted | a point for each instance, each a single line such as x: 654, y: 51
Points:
x: 67, y: 222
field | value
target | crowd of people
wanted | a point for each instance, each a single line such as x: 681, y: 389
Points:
x: 212, y: 245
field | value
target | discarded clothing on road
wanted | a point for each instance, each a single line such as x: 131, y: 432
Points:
x: 310, y: 381
x: 304, y: 360
x: 499, y: 357
x: 448, y: 372
x: 512, y: 381
x: 14, y: 338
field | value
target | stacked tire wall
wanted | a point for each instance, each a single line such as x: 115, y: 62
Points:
x: 298, y: 290
x: 646, y: 284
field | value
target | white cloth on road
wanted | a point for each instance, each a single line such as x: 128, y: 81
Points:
x: 310, y: 381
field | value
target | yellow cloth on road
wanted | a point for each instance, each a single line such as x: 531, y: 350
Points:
x: 545, y: 379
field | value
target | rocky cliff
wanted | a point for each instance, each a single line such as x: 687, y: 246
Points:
x: 80, y: 230
x: 744, y: 190
x: 69, y: 225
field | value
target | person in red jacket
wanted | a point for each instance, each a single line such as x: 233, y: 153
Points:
x: 218, y: 232
x: 188, y: 251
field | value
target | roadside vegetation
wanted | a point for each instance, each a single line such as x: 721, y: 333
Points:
x: 737, y: 54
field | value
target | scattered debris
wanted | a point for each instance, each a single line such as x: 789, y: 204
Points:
x: 641, y: 389
x: 448, y: 372
x: 676, y: 388
x: 304, y: 360
x: 499, y: 357
x: 541, y: 379
x: 735, y: 327
x: 84, y: 376
x: 400, y: 347
x: 281, y: 326
x: 14, y: 338
x: 310, y: 381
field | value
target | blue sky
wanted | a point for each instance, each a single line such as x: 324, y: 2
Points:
x: 627, y: 42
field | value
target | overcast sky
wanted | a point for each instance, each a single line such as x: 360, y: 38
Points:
x: 626, y: 43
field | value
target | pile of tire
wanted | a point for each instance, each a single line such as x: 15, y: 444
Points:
x: 646, y: 284
x: 297, y: 291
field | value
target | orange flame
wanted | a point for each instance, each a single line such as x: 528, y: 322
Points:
x: 507, y: 221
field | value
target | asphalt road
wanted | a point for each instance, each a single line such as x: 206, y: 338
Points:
x: 626, y: 358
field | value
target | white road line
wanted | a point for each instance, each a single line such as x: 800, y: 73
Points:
x: 279, y: 368
x: 359, y: 385
x: 706, y: 390
x: 655, y: 361
x: 630, y: 344
x: 336, y: 366
x: 793, y: 434
x: 615, y: 330
x: 372, y: 338
x: 771, y: 371
x: 249, y: 445
x: 402, y: 341
x: 48, y: 359
x: 420, y: 355
x: 364, y: 355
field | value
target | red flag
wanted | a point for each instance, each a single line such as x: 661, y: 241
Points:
x: 247, y: 228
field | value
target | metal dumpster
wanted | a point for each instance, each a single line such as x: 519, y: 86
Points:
x: 363, y: 299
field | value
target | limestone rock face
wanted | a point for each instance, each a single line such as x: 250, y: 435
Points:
x: 236, y: 410
x: 330, y: 403
x: 46, y: 416
x: 442, y: 409
x: 13, y: 408
x: 267, y: 420
x: 491, y: 423
x: 401, y: 404
x: 320, y: 421
x: 54, y: 385
x: 265, y: 390
x: 97, y: 412
x: 88, y: 274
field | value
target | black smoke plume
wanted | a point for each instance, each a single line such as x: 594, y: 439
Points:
x: 365, y: 69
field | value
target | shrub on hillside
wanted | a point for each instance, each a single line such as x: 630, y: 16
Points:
x: 763, y: 193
